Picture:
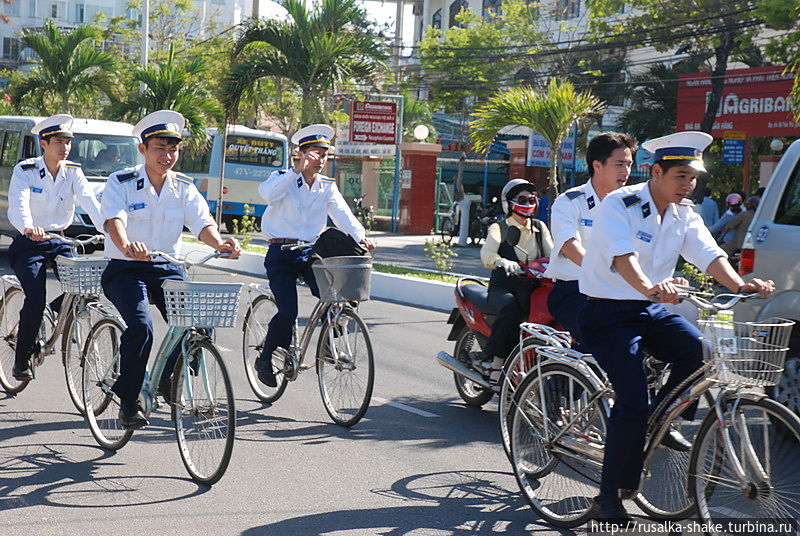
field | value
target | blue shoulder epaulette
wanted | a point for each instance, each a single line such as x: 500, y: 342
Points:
x: 572, y: 194
x: 326, y: 179
x: 631, y: 200
x: 27, y: 167
x: 125, y: 177
x: 686, y: 203
x: 183, y: 178
x: 72, y: 165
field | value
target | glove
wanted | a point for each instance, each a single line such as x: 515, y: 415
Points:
x: 510, y: 267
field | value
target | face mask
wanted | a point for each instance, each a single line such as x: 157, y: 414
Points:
x: 526, y: 211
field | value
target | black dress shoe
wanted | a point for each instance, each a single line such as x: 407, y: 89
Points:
x: 131, y: 415
x: 265, y: 372
x: 674, y: 440
x: 609, y: 509
x: 22, y: 372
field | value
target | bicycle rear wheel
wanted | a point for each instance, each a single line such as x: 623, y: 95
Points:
x: 204, y: 412
x: 770, y: 490
x: 345, y: 368
x: 9, y: 322
x: 514, y: 372
x: 101, y: 361
x: 254, y: 331
x: 73, y: 361
x: 559, y: 479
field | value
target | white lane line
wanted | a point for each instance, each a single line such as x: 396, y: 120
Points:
x: 404, y: 407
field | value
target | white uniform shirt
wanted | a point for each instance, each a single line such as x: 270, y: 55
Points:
x: 157, y: 220
x: 36, y: 200
x: 298, y: 211
x: 627, y: 221
x: 571, y: 217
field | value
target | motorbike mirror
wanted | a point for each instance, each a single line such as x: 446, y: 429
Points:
x: 512, y: 236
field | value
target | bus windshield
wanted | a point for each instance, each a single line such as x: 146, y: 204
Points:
x: 101, y: 155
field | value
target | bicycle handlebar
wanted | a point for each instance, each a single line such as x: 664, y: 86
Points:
x: 187, y: 263
x: 713, y: 305
x: 94, y: 239
x: 299, y: 245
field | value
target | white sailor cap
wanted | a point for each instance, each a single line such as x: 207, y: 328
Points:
x: 686, y: 147
x: 313, y: 136
x: 160, y: 124
x: 55, y: 125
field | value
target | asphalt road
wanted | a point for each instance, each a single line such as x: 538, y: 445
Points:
x: 420, y: 463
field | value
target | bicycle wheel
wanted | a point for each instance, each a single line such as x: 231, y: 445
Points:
x: 256, y: 322
x: 71, y: 356
x: 663, y: 492
x: 447, y: 230
x: 9, y: 321
x: 468, y: 342
x: 770, y: 490
x: 514, y: 371
x: 204, y: 412
x: 559, y: 479
x: 345, y: 368
x: 100, y: 371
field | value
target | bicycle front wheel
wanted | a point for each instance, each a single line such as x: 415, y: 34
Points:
x: 9, y: 322
x: 345, y: 368
x: 514, y: 372
x: 764, y: 436
x: 558, y: 477
x: 101, y: 362
x: 73, y: 362
x: 204, y: 412
x: 256, y: 323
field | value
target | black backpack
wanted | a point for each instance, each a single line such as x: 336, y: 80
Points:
x: 336, y: 243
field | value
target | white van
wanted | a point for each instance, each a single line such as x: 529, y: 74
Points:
x: 101, y: 147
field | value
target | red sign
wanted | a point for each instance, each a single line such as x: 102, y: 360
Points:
x: 373, y: 122
x: 755, y: 101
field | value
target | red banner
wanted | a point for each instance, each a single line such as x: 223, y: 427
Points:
x: 755, y: 101
x: 373, y: 122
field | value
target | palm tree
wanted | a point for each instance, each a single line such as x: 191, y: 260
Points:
x: 550, y: 113
x: 173, y: 85
x: 70, y: 73
x: 316, y: 49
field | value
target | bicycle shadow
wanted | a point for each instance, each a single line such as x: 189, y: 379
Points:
x: 453, y: 503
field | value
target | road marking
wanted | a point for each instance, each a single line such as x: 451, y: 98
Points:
x: 404, y: 407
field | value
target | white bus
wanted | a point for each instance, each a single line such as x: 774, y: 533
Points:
x: 250, y: 157
x: 101, y: 147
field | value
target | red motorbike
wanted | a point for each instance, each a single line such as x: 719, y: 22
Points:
x: 472, y: 322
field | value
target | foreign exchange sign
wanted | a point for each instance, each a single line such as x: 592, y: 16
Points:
x: 373, y: 122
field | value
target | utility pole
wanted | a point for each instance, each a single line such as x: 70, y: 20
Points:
x: 145, y: 31
x: 398, y: 39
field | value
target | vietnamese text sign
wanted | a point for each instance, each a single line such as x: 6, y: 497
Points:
x: 755, y: 101
x: 733, y: 147
x: 539, y: 150
x: 373, y: 122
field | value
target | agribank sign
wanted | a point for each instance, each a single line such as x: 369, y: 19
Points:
x: 755, y: 101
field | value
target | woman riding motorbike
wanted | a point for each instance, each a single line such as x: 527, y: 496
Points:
x: 509, y: 294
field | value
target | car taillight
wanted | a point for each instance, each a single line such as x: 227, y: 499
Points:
x: 747, y: 261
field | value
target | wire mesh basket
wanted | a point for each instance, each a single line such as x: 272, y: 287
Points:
x: 81, y: 275
x: 746, y: 354
x: 343, y: 278
x: 201, y: 305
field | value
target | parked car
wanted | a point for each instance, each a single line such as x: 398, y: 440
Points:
x: 771, y: 250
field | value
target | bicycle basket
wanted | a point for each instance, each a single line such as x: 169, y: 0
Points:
x: 201, y: 305
x: 81, y: 275
x: 343, y: 278
x: 746, y: 354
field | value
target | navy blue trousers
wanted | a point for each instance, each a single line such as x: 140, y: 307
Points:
x: 128, y: 284
x: 565, y: 303
x: 618, y: 332
x: 283, y: 268
x: 29, y: 260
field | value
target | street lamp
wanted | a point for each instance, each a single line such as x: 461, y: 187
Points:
x: 776, y: 145
x: 421, y: 132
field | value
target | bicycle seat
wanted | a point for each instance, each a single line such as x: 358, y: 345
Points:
x: 478, y: 296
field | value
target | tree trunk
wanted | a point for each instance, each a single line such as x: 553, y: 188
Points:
x: 462, y: 142
x: 552, y: 183
x: 721, y: 55
x: 308, y: 107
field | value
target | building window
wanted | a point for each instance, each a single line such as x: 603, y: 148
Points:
x: 436, y: 20
x: 80, y: 12
x: 11, y: 48
x: 568, y: 9
x: 455, y: 9
x: 10, y: 8
x: 492, y: 7
x: 54, y: 10
x: 33, y: 11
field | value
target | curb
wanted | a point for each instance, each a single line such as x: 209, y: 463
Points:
x: 397, y: 288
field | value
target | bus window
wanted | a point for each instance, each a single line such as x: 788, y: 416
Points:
x: 195, y: 163
x: 10, y: 149
x: 252, y: 151
x: 30, y: 148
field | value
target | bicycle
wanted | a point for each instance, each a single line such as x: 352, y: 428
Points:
x: 81, y: 291
x: 363, y: 213
x: 561, y: 411
x: 201, y: 396
x: 344, y: 358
